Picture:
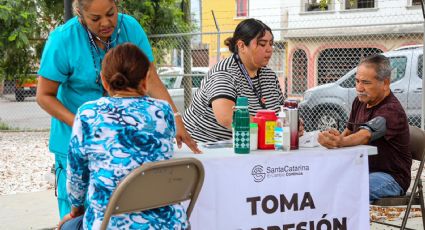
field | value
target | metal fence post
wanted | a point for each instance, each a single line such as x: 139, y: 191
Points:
x: 423, y: 75
x: 423, y: 65
x: 187, y: 59
x: 218, y: 35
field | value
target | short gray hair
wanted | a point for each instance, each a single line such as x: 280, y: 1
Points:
x: 381, y: 64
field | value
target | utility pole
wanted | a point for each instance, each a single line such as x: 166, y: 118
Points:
x: 218, y: 35
x: 68, y: 10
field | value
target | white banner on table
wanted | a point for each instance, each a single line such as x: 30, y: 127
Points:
x: 319, y: 190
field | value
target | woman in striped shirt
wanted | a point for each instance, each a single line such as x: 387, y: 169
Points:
x: 243, y: 74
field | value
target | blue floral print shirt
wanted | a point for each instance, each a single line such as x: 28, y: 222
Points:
x: 111, y: 137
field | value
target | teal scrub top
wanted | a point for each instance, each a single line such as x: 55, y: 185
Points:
x: 68, y: 59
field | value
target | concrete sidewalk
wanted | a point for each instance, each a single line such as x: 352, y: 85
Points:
x: 35, y: 210
x: 38, y: 210
x: 413, y: 223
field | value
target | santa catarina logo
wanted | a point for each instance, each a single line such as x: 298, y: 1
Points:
x: 258, y: 174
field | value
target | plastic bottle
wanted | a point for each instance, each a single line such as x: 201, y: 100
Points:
x: 241, y: 126
x: 286, y: 136
x: 278, y: 130
x: 281, y: 131
x: 253, y: 136
x: 266, y: 120
x: 292, y: 107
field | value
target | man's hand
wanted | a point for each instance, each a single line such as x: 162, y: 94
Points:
x: 330, y: 139
x: 334, y: 132
x: 183, y: 136
x: 300, y: 127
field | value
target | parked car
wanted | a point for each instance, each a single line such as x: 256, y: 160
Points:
x: 329, y: 105
x: 25, y: 86
x: 172, y: 78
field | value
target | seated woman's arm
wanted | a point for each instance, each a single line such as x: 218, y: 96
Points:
x: 223, y: 111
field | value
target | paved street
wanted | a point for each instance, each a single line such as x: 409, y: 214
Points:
x: 26, y: 115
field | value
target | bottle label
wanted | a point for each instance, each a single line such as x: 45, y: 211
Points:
x: 278, y: 137
x: 241, y: 139
x: 269, y: 129
x: 286, y: 138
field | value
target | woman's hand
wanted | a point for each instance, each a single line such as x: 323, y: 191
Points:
x: 183, y: 136
x: 65, y: 219
x: 75, y: 212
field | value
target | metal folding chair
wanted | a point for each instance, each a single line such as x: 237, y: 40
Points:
x: 155, y: 185
x: 415, y: 197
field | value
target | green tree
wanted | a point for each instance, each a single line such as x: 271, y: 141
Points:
x: 17, y: 19
x: 50, y: 15
x: 25, y: 25
x: 157, y: 16
x: 160, y: 17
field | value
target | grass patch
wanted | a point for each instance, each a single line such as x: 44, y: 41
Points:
x: 4, y: 126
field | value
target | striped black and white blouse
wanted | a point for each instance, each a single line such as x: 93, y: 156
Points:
x: 225, y: 80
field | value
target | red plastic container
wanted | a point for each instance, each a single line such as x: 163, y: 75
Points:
x: 266, y: 120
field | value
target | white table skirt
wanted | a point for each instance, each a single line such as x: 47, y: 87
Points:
x: 310, y: 188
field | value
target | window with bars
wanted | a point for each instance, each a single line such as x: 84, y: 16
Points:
x: 334, y: 63
x: 416, y: 2
x: 299, y: 72
x: 359, y: 4
x: 317, y: 5
x: 241, y: 8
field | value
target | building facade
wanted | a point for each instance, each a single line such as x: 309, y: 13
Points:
x: 219, y: 20
x: 325, y: 39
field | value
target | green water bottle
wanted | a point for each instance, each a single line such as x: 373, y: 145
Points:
x: 241, y: 126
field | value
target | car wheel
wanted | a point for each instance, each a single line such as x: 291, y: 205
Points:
x: 19, y: 96
x: 329, y: 118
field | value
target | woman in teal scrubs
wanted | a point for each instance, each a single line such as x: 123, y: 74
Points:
x: 70, y: 74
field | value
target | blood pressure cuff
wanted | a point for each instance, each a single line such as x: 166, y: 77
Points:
x: 377, y: 127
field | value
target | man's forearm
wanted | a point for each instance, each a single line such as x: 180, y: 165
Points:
x: 346, y: 132
x: 362, y: 137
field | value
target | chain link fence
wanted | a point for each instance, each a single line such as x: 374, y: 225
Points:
x: 315, y: 56
x: 205, y: 51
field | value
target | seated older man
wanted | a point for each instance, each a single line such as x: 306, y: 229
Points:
x: 377, y: 118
